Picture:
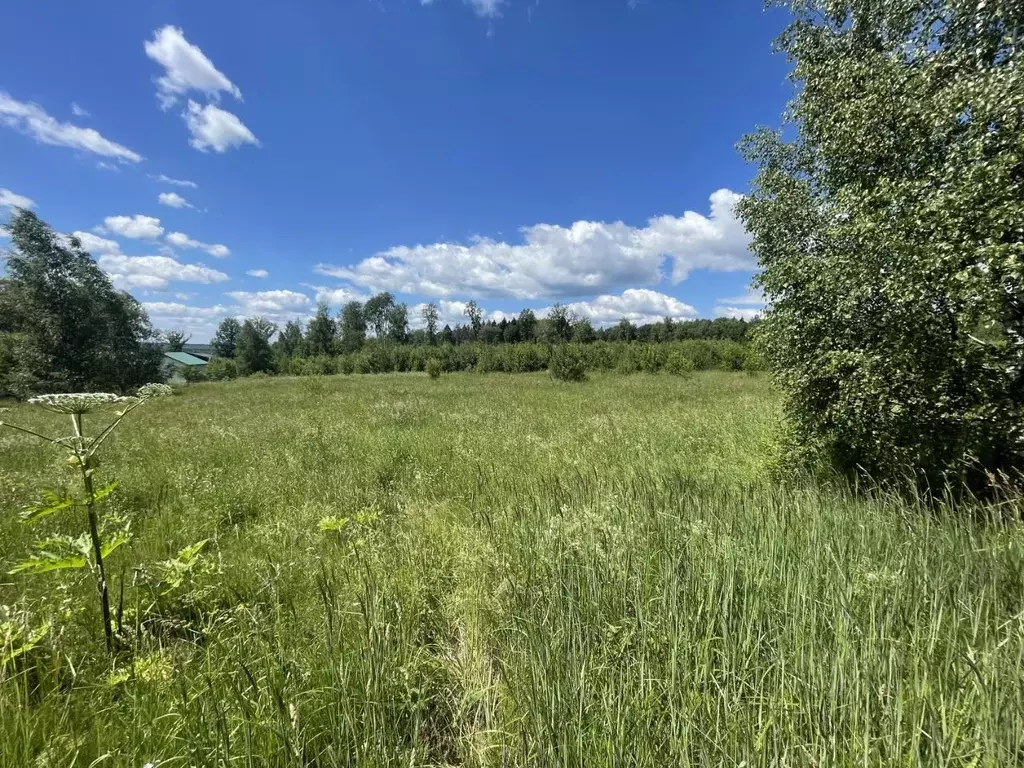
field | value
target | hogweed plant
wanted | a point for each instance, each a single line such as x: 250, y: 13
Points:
x: 92, y: 547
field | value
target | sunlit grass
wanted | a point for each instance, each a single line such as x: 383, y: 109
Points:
x: 532, y: 573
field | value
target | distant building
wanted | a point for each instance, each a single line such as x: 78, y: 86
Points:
x: 176, y: 362
x: 203, y: 351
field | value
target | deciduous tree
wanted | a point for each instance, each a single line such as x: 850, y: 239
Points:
x: 353, y: 326
x: 889, y: 225
x: 226, y: 338
x: 63, y: 326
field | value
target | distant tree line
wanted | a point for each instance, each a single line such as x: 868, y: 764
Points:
x: 375, y: 336
x: 383, y: 320
x: 677, y: 357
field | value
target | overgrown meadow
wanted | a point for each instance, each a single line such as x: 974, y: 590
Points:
x: 497, y: 570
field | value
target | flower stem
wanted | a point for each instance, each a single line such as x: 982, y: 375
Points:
x: 94, y: 533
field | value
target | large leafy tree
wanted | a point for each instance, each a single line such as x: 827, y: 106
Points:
x: 475, y: 315
x: 558, y: 325
x: 226, y: 338
x: 430, y: 316
x: 63, y: 326
x: 889, y: 224
x: 322, y: 332
x: 398, y: 323
x: 353, y: 326
x: 290, y: 342
x: 252, y: 352
x: 376, y: 311
x: 176, y: 340
x: 527, y: 325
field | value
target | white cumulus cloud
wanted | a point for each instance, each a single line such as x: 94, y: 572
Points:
x: 9, y: 199
x: 174, y: 309
x: 186, y: 68
x: 214, y: 128
x: 135, y: 227
x: 95, y: 244
x: 181, y: 240
x: 638, y: 305
x: 78, y: 111
x: 155, y: 272
x: 31, y: 119
x: 338, y: 295
x: 176, y: 182
x: 270, y: 303
x: 173, y: 200
x: 201, y: 322
x: 555, y: 261
x: 261, y: 273
x: 746, y: 307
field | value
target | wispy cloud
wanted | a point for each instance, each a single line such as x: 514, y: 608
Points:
x: 181, y: 240
x: 9, y: 199
x: 176, y: 182
x: 32, y: 120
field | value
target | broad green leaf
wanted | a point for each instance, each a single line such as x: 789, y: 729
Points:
x: 190, y: 553
x: 37, y: 565
x: 51, y: 504
x: 105, y: 491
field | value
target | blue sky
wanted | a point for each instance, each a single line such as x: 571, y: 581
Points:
x: 233, y: 157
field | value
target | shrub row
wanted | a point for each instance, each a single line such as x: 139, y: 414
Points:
x: 679, y: 358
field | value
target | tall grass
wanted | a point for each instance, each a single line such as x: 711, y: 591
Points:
x: 531, y: 574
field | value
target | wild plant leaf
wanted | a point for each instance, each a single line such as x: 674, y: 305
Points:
x: 18, y: 646
x: 44, y: 564
x: 51, y: 504
x: 191, y: 553
x: 174, y: 571
x: 114, y: 544
x: 334, y: 523
x: 105, y: 491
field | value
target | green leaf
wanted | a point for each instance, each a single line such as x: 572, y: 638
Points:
x: 42, y: 564
x: 111, y: 546
x: 334, y: 523
x: 105, y: 491
x: 190, y: 553
x: 33, y: 639
x: 51, y: 504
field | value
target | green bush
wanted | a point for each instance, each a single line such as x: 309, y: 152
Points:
x: 567, y: 363
x: 703, y: 354
x: 193, y: 374
x: 346, y: 364
x: 679, y: 364
x: 221, y: 369
x: 434, y: 368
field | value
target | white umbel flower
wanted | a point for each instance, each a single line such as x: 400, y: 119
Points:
x: 147, y: 391
x: 80, y: 402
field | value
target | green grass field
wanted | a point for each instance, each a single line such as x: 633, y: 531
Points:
x: 519, y: 573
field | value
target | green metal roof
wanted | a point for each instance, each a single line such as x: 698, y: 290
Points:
x: 185, y: 358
